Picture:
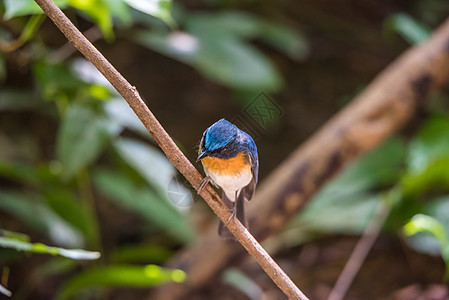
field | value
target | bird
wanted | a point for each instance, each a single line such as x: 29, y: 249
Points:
x: 230, y: 161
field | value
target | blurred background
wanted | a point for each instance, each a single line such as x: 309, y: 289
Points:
x: 79, y: 171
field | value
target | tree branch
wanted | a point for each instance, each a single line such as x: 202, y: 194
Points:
x: 382, y: 109
x: 132, y: 97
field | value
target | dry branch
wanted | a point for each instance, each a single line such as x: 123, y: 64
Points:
x: 132, y: 97
x: 383, y: 108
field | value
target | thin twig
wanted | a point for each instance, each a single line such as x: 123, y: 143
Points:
x: 360, y: 252
x: 132, y: 97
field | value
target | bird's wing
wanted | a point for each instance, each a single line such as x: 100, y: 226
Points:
x: 248, y: 191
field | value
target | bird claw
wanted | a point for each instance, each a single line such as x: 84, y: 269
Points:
x: 232, y: 216
x: 203, y: 183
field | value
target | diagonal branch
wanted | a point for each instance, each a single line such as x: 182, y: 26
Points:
x: 132, y: 97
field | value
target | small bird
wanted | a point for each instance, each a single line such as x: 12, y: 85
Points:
x: 229, y: 158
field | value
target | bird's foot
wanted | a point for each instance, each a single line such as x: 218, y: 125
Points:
x: 233, y: 215
x: 203, y: 183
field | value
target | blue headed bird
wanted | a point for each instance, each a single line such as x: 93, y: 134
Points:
x: 230, y: 161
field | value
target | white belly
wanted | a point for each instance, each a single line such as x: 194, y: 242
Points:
x: 230, y: 184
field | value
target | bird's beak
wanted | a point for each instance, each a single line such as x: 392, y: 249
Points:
x: 202, y: 155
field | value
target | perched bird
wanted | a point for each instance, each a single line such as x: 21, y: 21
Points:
x: 229, y: 158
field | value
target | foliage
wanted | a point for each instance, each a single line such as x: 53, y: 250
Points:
x: 99, y: 158
x: 101, y: 11
x: 56, y: 197
x: 17, y: 244
x: 120, y: 275
x: 217, y: 45
x: 346, y: 204
x: 415, y: 172
x: 230, y: 59
x: 60, y: 190
x: 407, y: 27
x: 426, y: 224
x: 21, y: 242
x: 143, y: 201
x: 239, y: 280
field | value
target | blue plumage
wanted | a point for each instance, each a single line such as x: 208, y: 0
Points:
x: 219, y: 135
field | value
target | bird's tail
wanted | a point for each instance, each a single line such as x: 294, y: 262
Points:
x: 239, y: 207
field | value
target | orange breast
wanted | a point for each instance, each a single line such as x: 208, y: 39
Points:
x: 232, y: 166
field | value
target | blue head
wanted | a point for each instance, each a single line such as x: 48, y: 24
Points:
x: 217, y: 137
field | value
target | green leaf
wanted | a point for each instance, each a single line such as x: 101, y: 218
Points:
x: 149, y: 162
x: 438, y: 209
x: 427, y: 159
x: 381, y: 166
x: 68, y: 207
x: 143, y: 201
x: 243, y: 25
x: 99, y: 11
x: 434, y: 176
x: 346, y: 204
x: 160, y: 9
x: 96, y: 85
x: 120, y: 275
x: 431, y: 143
x: 426, y: 224
x: 233, y: 63
x: 339, y: 215
x: 406, y: 26
x: 18, y: 245
x: 119, y: 110
x: 284, y: 39
x: 31, y: 27
x: 14, y: 235
x: 156, y: 169
x: 220, y: 57
x: 26, y: 208
x: 217, y: 46
x: 423, y: 223
x: 58, y: 81
x: 242, y: 282
x: 82, y: 136
x: 35, y: 176
x: 141, y: 254
x: 29, y: 208
x: 15, y: 8
x: 232, y: 23
x: 120, y: 10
